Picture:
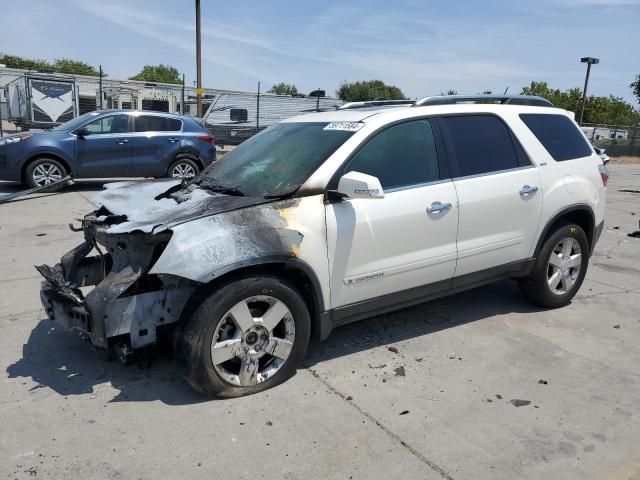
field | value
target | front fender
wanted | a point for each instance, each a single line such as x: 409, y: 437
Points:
x: 205, y: 248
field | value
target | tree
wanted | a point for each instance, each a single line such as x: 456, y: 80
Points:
x: 158, y: 74
x: 284, y: 89
x: 636, y: 87
x: 605, y: 110
x: 449, y: 92
x: 368, y: 90
x: 59, y: 65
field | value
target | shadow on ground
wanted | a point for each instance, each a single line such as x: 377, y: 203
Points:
x: 78, y: 186
x: 69, y: 365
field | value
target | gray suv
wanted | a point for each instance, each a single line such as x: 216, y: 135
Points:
x: 109, y: 143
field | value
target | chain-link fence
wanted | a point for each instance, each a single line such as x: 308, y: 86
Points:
x: 617, y: 140
x: 37, y: 100
x: 235, y: 116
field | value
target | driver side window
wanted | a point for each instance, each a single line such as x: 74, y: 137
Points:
x: 110, y: 124
x: 400, y: 156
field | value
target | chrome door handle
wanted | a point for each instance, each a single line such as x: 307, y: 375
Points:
x: 122, y: 142
x: 528, y: 190
x: 173, y: 139
x: 437, y: 207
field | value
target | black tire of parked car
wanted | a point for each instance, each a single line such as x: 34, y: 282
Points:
x: 46, y: 163
x: 194, y: 336
x: 184, y: 160
x: 536, y: 288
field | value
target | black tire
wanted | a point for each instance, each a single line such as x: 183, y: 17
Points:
x: 186, y: 161
x: 194, y: 336
x: 536, y: 286
x: 48, y: 164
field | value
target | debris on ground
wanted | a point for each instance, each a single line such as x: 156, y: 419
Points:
x: 392, y: 349
x: 498, y: 396
x: 616, y: 326
x: 452, y: 355
x: 404, y: 412
x: 399, y: 371
x: 419, y: 359
x: 269, y: 424
x: 349, y: 398
x: 629, y: 190
x: 40, y: 234
x: 635, y: 234
x: 516, y: 402
x: 616, y: 228
x: 543, y: 382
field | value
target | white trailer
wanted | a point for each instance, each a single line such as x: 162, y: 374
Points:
x: 36, y: 101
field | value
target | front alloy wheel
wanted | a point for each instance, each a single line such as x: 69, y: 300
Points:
x: 253, y: 340
x: 46, y: 174
x: 244, y: 337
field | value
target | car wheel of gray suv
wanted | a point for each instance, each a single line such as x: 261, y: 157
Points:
x: 245, y: 337
x: 560, y: 267
x: 183, y: 167
x: 44, y: 171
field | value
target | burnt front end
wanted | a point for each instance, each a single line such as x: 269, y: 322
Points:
x: 103, y: 286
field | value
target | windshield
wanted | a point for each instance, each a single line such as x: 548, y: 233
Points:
x: 75, y: 122
x: 276, y: 161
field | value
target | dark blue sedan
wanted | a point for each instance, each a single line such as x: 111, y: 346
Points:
x: 109, y: 143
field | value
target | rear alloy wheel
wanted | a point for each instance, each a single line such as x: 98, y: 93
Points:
x: 564, y: 265
x: 559, y: 268
x: 44, y: 172
x: 245, y: 337
x: 183, y: 168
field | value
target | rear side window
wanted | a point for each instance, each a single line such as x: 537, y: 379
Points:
x: 152, y: 123
x: 481, y: 144
x: 558, y: 135
x: 400, y: 156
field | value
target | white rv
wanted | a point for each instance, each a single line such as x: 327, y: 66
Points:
x: 36, y: 101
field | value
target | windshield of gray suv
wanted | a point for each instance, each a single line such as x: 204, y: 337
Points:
x: 276, y: 161
x: 75, y: 122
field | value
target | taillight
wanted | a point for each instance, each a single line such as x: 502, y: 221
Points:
x: 206, y: 138
x: 604, y: 174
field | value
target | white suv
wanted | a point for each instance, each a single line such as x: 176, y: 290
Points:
x: 328, y: 218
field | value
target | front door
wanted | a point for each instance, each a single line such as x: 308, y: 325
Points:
x: 106, y: 150
x: 406, y: 239
x: 498, y: 189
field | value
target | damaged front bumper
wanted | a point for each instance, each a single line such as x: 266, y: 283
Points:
x: 126, y: 302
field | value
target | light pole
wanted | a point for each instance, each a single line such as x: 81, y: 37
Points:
x: 589, y: 61
x: 198, y: 63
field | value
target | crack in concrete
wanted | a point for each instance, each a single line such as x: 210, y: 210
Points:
x: 443, y: 473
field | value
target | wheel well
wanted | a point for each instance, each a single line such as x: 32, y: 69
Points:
x: 52, y: 156
x: 296, y: 277
x: 190, y: 156
x: 581, y: 216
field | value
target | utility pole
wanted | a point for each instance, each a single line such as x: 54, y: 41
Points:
x: 589, y: 61
x: 198, y: 62
x: 100, y: 86
x: 258, y: 110
x: 182, y: 99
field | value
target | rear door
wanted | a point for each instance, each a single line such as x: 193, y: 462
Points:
x: 156, y: 140
x: 106, y: 151
x: 499, y: 192
x: 406, y: 239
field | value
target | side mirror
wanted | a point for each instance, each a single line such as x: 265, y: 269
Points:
x: 83, y: 132
x: 360, y: 185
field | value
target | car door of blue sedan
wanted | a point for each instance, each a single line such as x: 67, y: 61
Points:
x: 156, y: 140
x: 105, y: 151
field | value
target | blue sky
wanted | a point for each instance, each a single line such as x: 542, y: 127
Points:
x: 424, y: 47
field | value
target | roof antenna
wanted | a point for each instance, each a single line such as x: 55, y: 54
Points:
x: 505, y: 91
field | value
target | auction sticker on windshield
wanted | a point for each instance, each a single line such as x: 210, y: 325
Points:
x: 346, y: 126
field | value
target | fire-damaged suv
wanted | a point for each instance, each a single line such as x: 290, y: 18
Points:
x: 328, y: 218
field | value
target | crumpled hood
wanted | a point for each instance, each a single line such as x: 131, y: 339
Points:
x: 144, y: 211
